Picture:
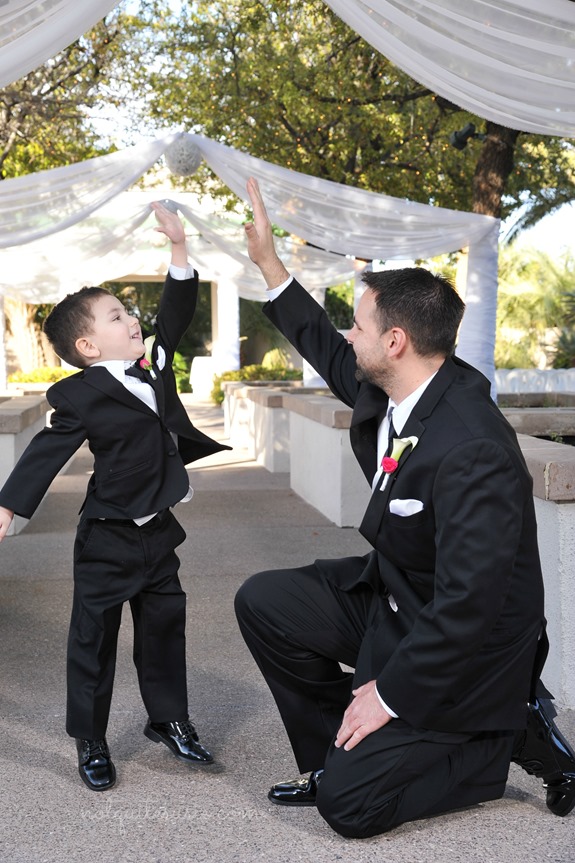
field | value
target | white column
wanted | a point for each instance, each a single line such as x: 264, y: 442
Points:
x: 476, y: 343
x: 225, y: 327
x: 3, y: 373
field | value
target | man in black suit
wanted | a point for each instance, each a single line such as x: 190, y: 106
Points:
x: 443, y: 620
x: 125, y: 404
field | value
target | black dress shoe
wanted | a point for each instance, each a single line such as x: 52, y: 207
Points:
x: 181, y: 738
x: 542, y: 751
x: 297, y: 792
x: 95, y: 766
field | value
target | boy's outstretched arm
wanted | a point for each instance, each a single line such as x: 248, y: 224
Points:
x: 171, y: 225
x: 6, y: 516
x: 261, y: 248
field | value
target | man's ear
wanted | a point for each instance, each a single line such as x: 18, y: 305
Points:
x: 86, y: 348
x: 397, y: 341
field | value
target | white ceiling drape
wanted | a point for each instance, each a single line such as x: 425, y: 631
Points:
x: 509, y: 61
x: 40, y: 204
x: 344, y: 219
x: 337, y: 218
x: 119, y: 240
x: 32, y: 31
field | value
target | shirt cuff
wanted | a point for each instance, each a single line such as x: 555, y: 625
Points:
x: 181, y: 273
x: 391, y: 712
x: 273, y: 293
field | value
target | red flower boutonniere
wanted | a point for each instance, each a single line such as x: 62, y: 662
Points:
x: 390, y: 463
x: 146, y: 361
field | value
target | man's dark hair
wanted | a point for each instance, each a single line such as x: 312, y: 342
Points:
x: 70, y: 319
x: 426, y: 306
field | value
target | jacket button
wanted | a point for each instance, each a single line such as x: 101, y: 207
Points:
x: 172, y: 452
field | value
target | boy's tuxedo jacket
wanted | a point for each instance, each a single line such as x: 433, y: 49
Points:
x: 458, y: 655
x: 138, y: 469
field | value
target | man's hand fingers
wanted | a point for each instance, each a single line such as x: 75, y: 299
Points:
x: 363, y: 716
x: 258, y: 206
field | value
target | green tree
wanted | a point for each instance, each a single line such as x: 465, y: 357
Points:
x: 47, y: 117
x: 288, y: 81
x: 534, y: 301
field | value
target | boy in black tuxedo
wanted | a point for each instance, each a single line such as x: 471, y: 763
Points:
x: 125, y: 404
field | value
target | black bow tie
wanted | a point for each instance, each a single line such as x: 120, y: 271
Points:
x: 136, y: 372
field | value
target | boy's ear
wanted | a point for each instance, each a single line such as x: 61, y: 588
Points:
x: 86, y: 348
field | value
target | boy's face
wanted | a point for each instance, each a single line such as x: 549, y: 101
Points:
x: 115, y: 334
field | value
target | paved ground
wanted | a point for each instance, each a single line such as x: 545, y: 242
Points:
x: 241, y: 519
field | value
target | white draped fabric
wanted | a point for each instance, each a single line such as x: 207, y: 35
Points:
x: 120, y: 240
x: 337, y: 218
x: 509, y: 61
x: 40, y: 204
x: 371, y: 226
x: 344, y: 219
x: 32, y: 31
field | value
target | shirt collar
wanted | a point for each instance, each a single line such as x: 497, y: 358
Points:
x: 402, y: 410
x: 116, y: 368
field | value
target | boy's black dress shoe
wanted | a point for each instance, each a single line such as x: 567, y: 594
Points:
x: 297, y: 792
x: 95, y: 766
x: 181, y: 738
x: 543, y: 751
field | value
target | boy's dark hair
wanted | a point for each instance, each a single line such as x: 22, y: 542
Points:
x: 70, y: 319
x: 426, y: 306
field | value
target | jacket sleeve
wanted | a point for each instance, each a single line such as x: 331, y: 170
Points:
x: 43, y: 458
x: 176, y: 311
x: 307, y: 327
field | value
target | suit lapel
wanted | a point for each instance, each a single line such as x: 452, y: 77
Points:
x: 368, y: 411
x: 415, y: 426
x: 101, y: 379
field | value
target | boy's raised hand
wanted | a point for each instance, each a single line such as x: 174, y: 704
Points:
x: 169, y: 223
x: 261, y: 247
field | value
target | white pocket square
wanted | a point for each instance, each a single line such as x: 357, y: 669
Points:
x: 405, y: 507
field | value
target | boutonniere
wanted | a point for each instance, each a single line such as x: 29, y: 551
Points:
x: 400, y: 444
x: 146, y: 361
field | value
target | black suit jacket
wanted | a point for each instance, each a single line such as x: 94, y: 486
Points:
x: 458, y: 655
x: 138, y: 469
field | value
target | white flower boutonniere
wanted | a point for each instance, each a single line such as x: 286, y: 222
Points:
x: 390, y: 463
x: 146, y: 361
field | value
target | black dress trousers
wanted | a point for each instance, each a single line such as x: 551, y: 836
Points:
x: 116, y: 562
x: 299, y: 627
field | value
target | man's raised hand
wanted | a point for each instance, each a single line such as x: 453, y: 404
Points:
x: 261, y: 247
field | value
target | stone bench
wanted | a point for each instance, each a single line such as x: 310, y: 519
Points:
x: 21, y: 418
x: 314, y: 428
x: 256, y: 419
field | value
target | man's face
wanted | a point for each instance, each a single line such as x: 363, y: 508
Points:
x: 369, y: 344
x: 116, y: 334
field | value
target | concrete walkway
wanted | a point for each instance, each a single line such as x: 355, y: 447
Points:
x: 242, y: 519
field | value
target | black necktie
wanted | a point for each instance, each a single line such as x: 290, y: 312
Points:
x: 390, y: 433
